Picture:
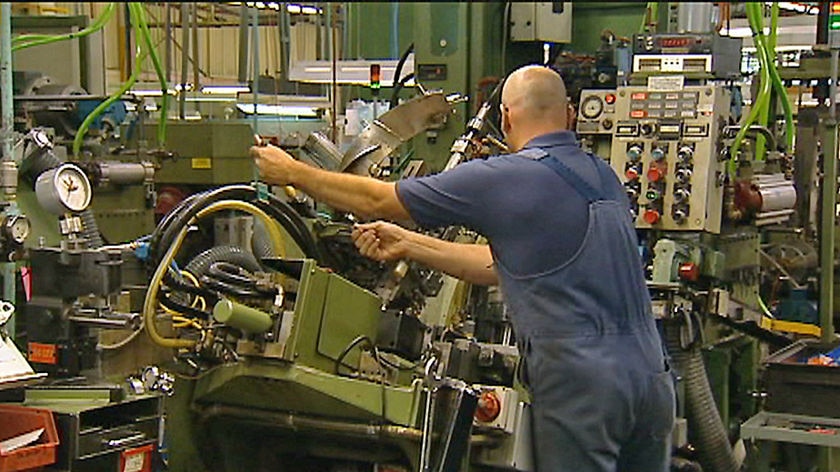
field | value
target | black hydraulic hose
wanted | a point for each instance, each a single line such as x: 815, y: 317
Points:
x: 173, y: 305
x: 180, y: 284
x: 705, y: 428
x: 285, y: 214
x: 399, y: 86
x: 200, y: 264
x: 44, y: 161
x: 398, y: 71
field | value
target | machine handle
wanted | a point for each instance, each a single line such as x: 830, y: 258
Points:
x: 123, y: 441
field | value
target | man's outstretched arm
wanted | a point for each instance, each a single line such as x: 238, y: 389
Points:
x: 385, y: 241
x: 365, y: 197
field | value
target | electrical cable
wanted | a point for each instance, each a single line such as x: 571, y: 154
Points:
x: 355, y: 342
x: 30, y: 40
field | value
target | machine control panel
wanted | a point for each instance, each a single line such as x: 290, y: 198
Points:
x: 596, y: 113
x: 665, y: 150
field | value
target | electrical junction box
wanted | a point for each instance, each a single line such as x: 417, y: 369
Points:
x: 541, y: 21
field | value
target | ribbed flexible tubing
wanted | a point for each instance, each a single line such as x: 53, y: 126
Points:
x: 705, y: 428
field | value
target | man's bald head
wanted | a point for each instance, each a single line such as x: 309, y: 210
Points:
x: 537, y: 89
x: 533, y: 103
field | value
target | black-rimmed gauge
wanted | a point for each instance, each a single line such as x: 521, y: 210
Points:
x: 591, y: 107
x: 16, y: 228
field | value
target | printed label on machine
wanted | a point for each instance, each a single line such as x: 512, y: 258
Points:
x: 666, y: 82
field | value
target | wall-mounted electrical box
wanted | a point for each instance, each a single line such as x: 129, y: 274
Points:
x: 541, y: 21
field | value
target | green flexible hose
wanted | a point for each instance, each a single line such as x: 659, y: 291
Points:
x: 30, y: 40
x: 762, y: 95
x: 768, y: 55
x: 143, y: 29
x: 80, y: 134
x: 777, y: 81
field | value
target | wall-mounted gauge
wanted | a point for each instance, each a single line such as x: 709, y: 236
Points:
x: 65, y: 189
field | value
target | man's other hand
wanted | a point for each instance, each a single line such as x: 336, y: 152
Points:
x: 381, y: 241
x: 275, y: 164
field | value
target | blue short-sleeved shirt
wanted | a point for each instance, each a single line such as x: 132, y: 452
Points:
x: 532, y: 217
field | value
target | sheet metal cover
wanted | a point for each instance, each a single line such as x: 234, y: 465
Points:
x: 391, y: 129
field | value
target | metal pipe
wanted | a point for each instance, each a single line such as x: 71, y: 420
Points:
x: 829, y: 202
x: 185, y: 39
x: 6, y: 86
x: 297, y: 422
x: 243, y: 44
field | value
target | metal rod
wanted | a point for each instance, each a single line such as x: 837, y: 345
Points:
x: 832, y: 103
x: 185, y: 40
x: 167, y: 47
x: 334, y: 98
x: 255, y: 39
x: 297, y: 422
x: 195, y: 55
x: 6, y: 101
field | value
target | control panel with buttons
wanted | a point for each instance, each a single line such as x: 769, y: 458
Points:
x: 665, y: 150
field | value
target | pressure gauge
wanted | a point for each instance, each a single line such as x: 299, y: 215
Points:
x: 65, y: 189
x: 591, y: 107
x: 16, y: 228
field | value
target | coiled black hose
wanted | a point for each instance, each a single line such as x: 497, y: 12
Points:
x: 279, y: 210
x: 46, y: 160
x: 200, y: 264
x: 706, y: 430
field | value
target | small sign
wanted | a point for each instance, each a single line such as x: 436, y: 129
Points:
x: 661, y: 83
x: 202, y: 163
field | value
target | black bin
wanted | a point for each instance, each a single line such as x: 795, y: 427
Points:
x: 794, y: 386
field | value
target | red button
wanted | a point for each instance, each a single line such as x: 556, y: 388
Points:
x: 689, y: 271
x: 631, y: 174
x: 609, y: 98
x: 639, y: 96
x: 655, y: 174
x: 638, y: 114
x: 651, y: 217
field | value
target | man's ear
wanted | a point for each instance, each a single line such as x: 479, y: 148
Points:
x: 571, y: 117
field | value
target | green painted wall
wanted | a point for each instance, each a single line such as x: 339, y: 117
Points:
x: 590, y: 18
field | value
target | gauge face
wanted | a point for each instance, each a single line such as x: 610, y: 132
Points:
x: 17, y: 228
x: 63, y: 189
x: 591, y: 107
x: 73, y: 188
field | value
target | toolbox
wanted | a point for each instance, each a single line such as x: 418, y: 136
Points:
x: 99, y: 434
x: 794, y: 386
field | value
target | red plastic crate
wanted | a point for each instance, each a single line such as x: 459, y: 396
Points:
x: 17, y: 420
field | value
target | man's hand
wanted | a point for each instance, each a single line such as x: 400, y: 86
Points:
x: 276, y: 165
x: 381, y: 241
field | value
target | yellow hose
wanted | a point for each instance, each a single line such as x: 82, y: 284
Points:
x: 149, y: 305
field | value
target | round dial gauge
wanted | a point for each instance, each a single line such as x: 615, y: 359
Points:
x: 591, y: 107
x: 17, y: 228
x: 65, y: 189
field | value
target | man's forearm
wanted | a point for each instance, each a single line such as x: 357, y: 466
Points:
x: 363, y: 196
x: 470, y: 262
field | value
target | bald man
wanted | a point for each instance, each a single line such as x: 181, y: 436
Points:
x: 564, y: 251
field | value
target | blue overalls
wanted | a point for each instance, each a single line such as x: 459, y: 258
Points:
x: 603, y: 397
